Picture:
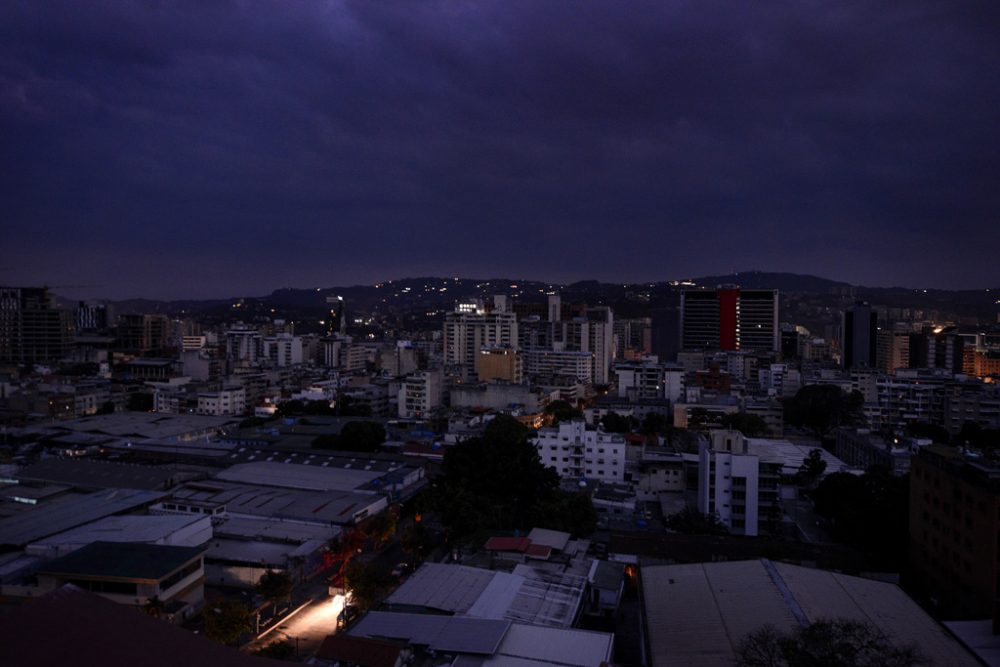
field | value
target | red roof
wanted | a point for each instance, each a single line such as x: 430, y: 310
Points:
x: 539, y: 551
x: 519, y: 544
x: 508, y: 544
x: 359, y: 651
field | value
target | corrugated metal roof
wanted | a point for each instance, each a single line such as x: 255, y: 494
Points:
x: 298, y: 476
x: 449, y: 634
x: 697, y: 614
x: 554, y: 645
x: 453, y: 588
x: 63, y: 514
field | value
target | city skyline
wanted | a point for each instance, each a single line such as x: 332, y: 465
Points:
x: 203, y: 151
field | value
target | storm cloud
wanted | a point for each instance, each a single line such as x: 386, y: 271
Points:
x: 208, y: 149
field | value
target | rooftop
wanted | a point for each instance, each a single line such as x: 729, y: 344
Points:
x: 94, y: 631
x: 123, y: 560
x: 65, y: 513
x: 295, y: 476
x: 91, y: 474
x: 697, y: 614
x: 128, y: 528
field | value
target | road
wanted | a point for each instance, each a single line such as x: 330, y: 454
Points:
x: 307, y: 629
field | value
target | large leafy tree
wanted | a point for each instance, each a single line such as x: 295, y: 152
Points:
x: 825, y: 643
x: 275, y: 586
x: 367, y: 584
x: 496, y: 481
x: 820, y: 408
x: 752, y: 426
x: 689, y: 520
x: 227, y: 621
x: 869, y: 511
x: 562, y: 411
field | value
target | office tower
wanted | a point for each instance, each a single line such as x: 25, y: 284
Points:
x: 143, y: 333
x: 730, y: 318
x: 941, y: 348
x: 860, y: 336
x: 91, y: 316
x: 31, y: 330
x: 666, y: 323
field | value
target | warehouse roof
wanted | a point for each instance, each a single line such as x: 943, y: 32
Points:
x: 129, y: 528
x: 295, y: 476
x: 124, y: 560
x: 65, y: 513
x: 697, y: 614
x: 91, y: 474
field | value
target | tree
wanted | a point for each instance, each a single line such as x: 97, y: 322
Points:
x: 362, y: 436
x: 414, y: 541
x: 366, y: 584
x: 812, y: 468
x: 825, y: 643
x: 751, y: 426
x: 655, y: 423
x: 869, y: 511
x: 562, y: 411
x: 275, y: 586
x: 691, y: 521
x: 495, y: 482
x: 821, y: 408
x: 616, y: 423
x: 279, y: 650
x: 140, y: 402
x: 227, y: 621
x: 381, y: 527
x: 568, y: 512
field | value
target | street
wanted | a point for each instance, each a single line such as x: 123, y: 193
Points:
x: 306, y: 629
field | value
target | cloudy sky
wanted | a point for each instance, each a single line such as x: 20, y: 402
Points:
x: 172, y: 149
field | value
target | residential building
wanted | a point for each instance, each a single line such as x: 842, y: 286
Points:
x: 467, y: 333
x: 576, y: 450
x: 738, y: 486
x: 500, y: 363
x: 420, y: 395
x: 955, y: 532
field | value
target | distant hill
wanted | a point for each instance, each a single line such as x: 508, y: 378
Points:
x: 419, y: 298
x: 785, y: 282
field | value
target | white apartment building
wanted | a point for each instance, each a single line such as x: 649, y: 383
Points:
x: 228, y: 401
x: 542, y: 362
x: 420, y: 394
x: 648, y: 380
x: 576, y: 450
x: 736, y: 485
x: 283, y: 350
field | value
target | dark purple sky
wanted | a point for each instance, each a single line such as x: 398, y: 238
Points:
x: 178, y: 149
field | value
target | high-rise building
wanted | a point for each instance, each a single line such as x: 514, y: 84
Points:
x: 500, y: 363
x: 730, y: 318
x: 143, y: 333
x: 31, y: 329
x: 737, y: 485
x: 467, y: 333
x: 860, y: 337
x: 955, y: 532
